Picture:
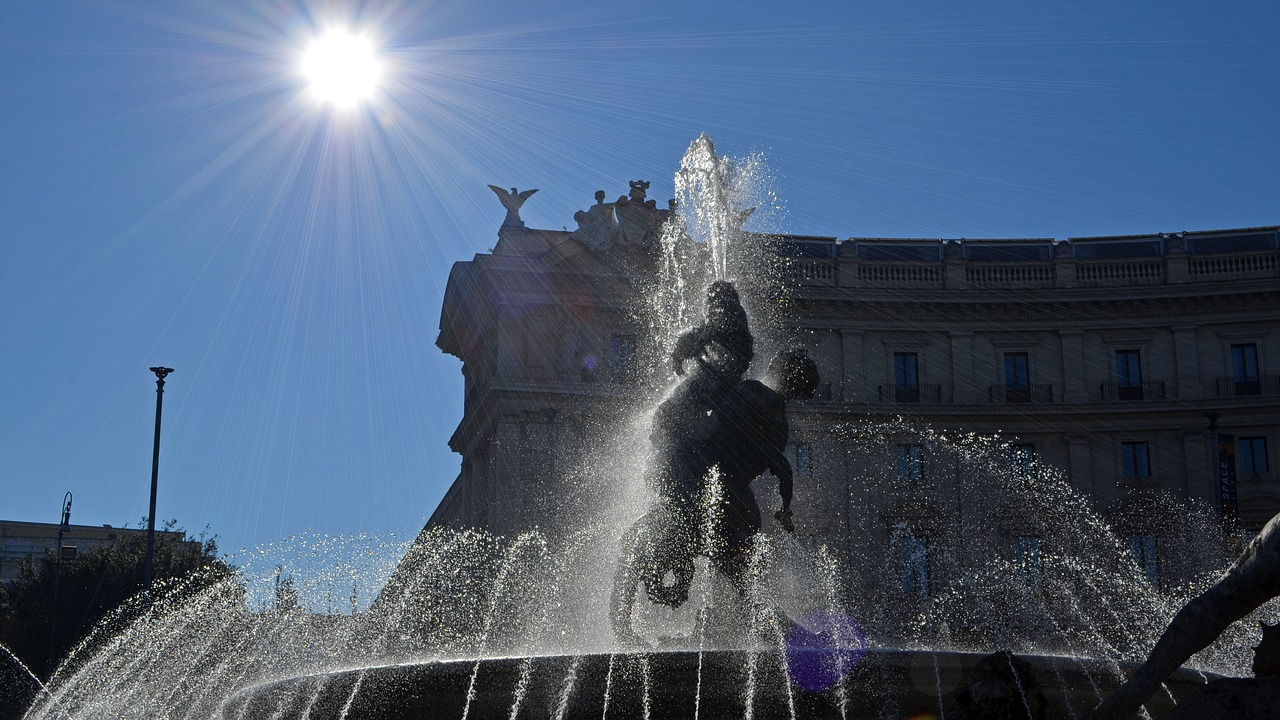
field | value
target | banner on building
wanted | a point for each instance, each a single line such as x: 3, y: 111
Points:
x: 1227, y: 478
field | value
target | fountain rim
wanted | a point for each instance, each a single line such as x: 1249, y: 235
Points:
x: 1188, y: 672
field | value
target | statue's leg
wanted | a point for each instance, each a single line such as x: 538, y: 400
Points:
x: 738, y: 527
x: 626, y: 582
x: 669, y: 576
x: 1251, y: 581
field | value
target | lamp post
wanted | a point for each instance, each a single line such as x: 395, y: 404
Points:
x: 149, y: 569
x: 63, y: 528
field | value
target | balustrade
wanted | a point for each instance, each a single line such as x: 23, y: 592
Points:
x: 1131, y: 272
x: 1024, y: 275
x: 911, y: 394
x: 1129, y: 392
x: 1261, y: 385
x: 1254, y: 265
x: 1034, y: 393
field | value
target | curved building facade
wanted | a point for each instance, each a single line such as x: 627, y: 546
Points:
x: 1138, y: 366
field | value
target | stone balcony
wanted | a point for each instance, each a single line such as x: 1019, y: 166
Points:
x: 1035, y: 264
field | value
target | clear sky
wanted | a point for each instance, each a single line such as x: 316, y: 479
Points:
x: 171, y: 194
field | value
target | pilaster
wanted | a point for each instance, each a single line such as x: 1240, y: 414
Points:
x: 963, y: 387
x: 1188, y: 363
x: 1073, y: 390
x: 852, y: 375
x: 1080, y: 461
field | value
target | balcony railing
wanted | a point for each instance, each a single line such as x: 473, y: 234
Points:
x: 901, y: 275
x: 1021, y: 275
x: 913, y: 394
x: 1234, y: 266
x: 813, y: 272
x: 1129, y: 272
x: 1033, y: 393
x: 1130, y: 392
x: 1061, y: 270
x: 1261, y: 385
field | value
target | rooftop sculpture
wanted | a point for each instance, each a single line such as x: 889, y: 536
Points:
x: 512, y: 200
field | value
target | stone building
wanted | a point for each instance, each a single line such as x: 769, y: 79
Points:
x: 1107, y: 358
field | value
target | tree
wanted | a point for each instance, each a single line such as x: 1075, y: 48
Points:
x: 92, y: 585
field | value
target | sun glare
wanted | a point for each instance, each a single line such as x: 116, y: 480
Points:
x: 341, y: 68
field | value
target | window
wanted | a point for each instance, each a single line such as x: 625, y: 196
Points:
x: 1251, y: 455
x: 906, y: 377
x: 1244, y: 369
x: 906, y: 370
x: 1026, y: 560
x: 1143, y: 550
x: 1136, y: 459
x: 1017, y: 370
x: 913, y: 564
x: 1129, y: 374
x: 623, y: 357
x: 910, y: 463
x: 1022, y: 460
x: 798, y: 455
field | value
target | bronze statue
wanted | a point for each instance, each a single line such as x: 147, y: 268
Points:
x: 1253, y: 579
x: 713, y: 419
x: 512, y: 201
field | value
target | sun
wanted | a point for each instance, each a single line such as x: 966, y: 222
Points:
x: 341, y: 68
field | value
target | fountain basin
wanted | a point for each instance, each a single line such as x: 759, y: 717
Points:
x: 678, y: 684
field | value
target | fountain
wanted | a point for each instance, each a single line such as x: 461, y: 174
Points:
x: 472, y: 625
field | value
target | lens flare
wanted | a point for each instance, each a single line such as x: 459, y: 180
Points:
x: 341, y: 68
x: 822, y: 648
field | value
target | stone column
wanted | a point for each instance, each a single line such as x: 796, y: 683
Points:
x: 852, y: 373
x: 965, y: 391
x: 1074, y: 390
x: 1188, y: 363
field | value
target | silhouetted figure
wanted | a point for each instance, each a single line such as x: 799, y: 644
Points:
x: 1253, y: 579
x: 742, y: 432
x: 721, y: 349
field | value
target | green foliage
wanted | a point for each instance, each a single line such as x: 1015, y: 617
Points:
x: 92, y: 585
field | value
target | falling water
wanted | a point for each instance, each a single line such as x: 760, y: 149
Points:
x: 478, y: 600
x: 562, y: 705
x: 937, y: 679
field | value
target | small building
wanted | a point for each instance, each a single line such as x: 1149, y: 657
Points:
x: 22, y: 541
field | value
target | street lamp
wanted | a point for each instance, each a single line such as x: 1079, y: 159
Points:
x: 149, y: 569
x: 64, y: 527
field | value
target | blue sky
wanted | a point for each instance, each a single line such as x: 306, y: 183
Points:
x: 170, y: 194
